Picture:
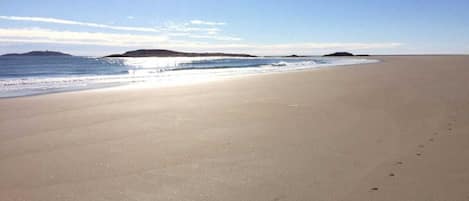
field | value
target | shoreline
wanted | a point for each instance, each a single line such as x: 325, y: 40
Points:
x: 392, y: 130
x: 161, y: 84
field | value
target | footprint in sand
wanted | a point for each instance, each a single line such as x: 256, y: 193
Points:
x: 392, y: 174
x: 399, y: 163
x: 374, y: 189
x: 421, y: 146
x: 279, y: 198
x: 431, y: 139
x: 418, y: 154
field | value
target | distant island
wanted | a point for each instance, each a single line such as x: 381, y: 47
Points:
x: 38, y: 53
x: 294, y: 56
x: 169, y: 53
x: 344, y: 54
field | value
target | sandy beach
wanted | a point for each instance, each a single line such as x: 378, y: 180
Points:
x: 394, y: 130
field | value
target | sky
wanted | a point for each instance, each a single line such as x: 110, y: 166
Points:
x: 261, y: 27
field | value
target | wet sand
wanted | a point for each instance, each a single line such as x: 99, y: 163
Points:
x: 394, y: 130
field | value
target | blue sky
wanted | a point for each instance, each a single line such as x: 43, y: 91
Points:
x: 90, y: 27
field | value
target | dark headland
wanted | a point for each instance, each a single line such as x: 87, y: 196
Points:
x: 344, y: 54
x: 170, y: 53
x: 38, y: 53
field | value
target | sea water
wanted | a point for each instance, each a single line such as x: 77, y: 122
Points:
x: 33, y: 75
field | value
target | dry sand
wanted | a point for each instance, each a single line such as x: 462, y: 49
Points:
x: 395, y: 130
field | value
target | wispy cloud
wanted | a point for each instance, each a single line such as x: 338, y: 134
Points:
x: 71, y: 22
x: 185, y: 27
x: 208, y: 31
x: 314, y: 48
x: 202, y: 22
x: 215, y: 37
x: 37, y: 35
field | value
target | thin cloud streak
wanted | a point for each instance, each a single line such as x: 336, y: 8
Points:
x: 71, y: 22
x: 215, y: 37
x: 202, y: 22
x: 38, y: 35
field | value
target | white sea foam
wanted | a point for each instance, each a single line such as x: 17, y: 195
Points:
x: 165, y: 71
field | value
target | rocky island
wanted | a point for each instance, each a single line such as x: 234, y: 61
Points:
x: 38, y: 53
x: 344, y: 54
x: 340, y: 54
x: 170, y: 53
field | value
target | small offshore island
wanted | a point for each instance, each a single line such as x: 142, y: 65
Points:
x: 38, y: 53
x: 345, y: 54
x: 170, y: 53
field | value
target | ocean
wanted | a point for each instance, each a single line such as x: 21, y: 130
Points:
x: 34, y: 75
